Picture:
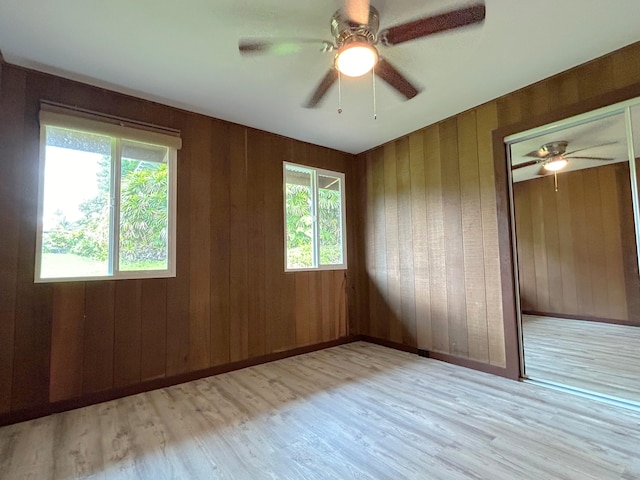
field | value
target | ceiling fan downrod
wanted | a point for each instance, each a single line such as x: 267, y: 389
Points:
x: 373, y: 79
x: 339, y: 92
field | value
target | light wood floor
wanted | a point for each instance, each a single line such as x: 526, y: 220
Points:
x: 598, y: 357
x: 358, y: 411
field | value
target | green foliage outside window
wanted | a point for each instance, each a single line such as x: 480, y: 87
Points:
x: 300, y: 226
x: 143, y: 222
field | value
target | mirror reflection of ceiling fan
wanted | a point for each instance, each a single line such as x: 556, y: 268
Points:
x: 553, y: 157
x: 354, y: 29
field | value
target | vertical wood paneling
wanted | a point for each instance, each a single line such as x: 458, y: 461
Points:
x: 97, y: 370
x: 595, y: 242
x: 473, y: 247
x: 612, y: 239
x: 153, y: 346
x: 510, y: 108
x: 178, y: 291
x: 568, y: 86
x: 539, y: 250
x: 327, y: 312
x: 12, y: 94
x: 379, y: 307
x: 127, y: 334
x: 566, y: 257
x: 405, y: 239
x: 437, y: 241
x: 341, y: 322
x: 357, y: 286
x: 392, y: 251
x: 199, y: 161
x: 625, y: 66
x: 220, y: 242
x: 355, y: 237
x: 315, y: 315
x: 583, y: 241
x: 524, y: 240
x: 454, y: 252
x: 486, y: 122
x: 303, y: 307
x: 273, y: 229
x: 541, y: 97
x: 32, y: 334
x: 67, y: 333
x: 420, y: 240
x: 278, y: 287
x: 370, y: 246
x: 287, y: 326
x: 581, y: 251
x: 238, y: 245
x: 257, y: 151
x: 596, y: 78
x: 552, y: 243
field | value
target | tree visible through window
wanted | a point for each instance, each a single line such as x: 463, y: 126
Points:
x: 314, y: 212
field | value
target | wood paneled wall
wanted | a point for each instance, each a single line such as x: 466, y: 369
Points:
x: 230, y: 300
x: 430, y: 202
x: 576, y: 246
x: 435, y: 260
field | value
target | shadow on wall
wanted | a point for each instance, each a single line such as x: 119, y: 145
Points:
x: 392, y: 315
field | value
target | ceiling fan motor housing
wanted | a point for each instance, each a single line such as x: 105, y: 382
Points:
x: 554, y: 149
x: 345, y: 31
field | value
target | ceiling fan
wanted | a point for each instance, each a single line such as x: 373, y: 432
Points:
x: 553, y: 157
x: 354, y: 29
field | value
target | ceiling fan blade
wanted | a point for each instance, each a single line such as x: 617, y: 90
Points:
x: 395, y: 79
x: 281, y: 46
x: 592, y: 146
x: 322, y: 88
x: 357, y: 11
x: 525, y: 164
x: 435, y: 24
x: 602, y: 159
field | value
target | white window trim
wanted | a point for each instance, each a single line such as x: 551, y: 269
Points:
x: 316, y: 232
x: 56, y: 117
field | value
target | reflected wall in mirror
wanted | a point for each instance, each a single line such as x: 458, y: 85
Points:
x: 575, y: 208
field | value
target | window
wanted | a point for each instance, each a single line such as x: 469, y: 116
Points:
x: 107, y: 199
x: 315, y: 222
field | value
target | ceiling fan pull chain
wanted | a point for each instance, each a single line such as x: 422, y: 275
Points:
x: 373, y: 76
x: 339, y: 92
x: 555, y: 180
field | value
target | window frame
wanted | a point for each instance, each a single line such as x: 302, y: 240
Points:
x: 118, y: 133
x: 315, y: 172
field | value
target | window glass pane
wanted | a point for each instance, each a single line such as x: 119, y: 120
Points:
x: 299, y: 217
x: 144, y: 207
x: 330, y: 219
x: 76, y: 209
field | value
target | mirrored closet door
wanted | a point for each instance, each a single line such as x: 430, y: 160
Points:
x: 575, y: 210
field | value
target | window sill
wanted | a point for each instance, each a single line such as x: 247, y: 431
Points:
x: 316, y: 269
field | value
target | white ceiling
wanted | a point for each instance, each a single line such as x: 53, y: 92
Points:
x: 185, y: 54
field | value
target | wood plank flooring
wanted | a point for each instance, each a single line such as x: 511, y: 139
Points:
x: 599, y: 357
x: 358, y: 411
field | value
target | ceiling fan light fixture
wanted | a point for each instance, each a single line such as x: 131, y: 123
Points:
x: 356, y: 58
x: 555, y: 165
